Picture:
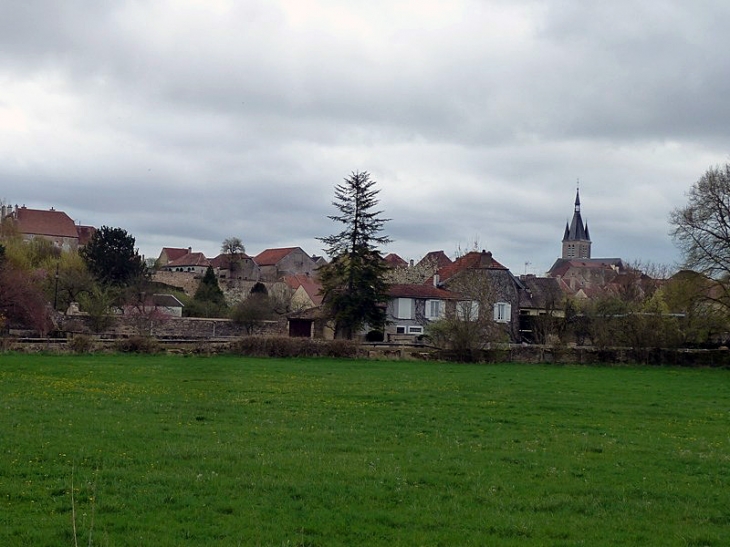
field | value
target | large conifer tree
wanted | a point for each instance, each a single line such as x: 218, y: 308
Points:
x: 355, y: 291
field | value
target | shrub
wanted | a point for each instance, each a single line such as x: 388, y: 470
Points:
x: 6, y: 343
x: 81, y: 344
x: 138, y: 344
x: 282, y: 346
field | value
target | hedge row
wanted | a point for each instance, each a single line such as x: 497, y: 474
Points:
x: 282, y: 346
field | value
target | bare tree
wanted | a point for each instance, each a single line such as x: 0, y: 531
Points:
x: 468, y: 325
x: 233, y: 249
x: 701, y: 229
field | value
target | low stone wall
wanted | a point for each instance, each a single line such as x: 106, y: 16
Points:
x: 184, y: 328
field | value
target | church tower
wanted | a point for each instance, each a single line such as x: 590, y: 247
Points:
x: 576, y: 240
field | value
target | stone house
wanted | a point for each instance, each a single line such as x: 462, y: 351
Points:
x: 490, y: 286
x: 168, y: 254
x: 239, y: 267
x: 411, y: 307
x: 541, y: 300
x: 471, y: 286
x: 51, y: 225
x: 306, y: 292
x: 191, y: 262
x: 275, y: 264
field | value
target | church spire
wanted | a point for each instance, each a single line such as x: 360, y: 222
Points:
x: 576, y: 241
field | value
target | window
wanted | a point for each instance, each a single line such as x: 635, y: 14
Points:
x: 401, y: 329
x: 415, y: 330
x: 502, y: 312
x: 404, y: 308
x: 467, y: 310
x: 434, y: 309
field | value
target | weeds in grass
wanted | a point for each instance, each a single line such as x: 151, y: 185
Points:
x: 92, y: 499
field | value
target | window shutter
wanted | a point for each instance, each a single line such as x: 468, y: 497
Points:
x: 405, y: 308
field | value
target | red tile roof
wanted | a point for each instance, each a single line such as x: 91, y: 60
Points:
x: 394, y: 261
x: 420, y: 291
x: 438, y: 257
x: 190, y: 259
x: 472, y: 260
x: 173, y: 253
x: 310, y: 286
x: 45, y: 223
x: 270, y: 257
x: 223, y: 261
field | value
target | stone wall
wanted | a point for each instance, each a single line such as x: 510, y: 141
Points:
x: 187, y: 281
x: 187, y: 328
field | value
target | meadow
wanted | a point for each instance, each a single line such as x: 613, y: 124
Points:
x: 171, y: 450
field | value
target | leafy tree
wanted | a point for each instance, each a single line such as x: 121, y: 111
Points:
x: 703, y: 321
x: 67, y: 278
x: 353, y: 283
x: 98, y: 303
x: 112, y: 258
x: 701, y: 229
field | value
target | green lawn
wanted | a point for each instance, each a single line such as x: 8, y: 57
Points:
x: 171, y: 450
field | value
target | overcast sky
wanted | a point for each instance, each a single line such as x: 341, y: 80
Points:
x: 189, y: 121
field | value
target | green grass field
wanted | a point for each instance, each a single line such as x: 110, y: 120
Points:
x: 170, y: 450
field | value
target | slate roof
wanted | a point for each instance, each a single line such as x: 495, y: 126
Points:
x: 561, y: 266
x: 45, y: 223
x: 541, y: 292
x: 270, y: 257
x: 577, y: 231
x: 166, y: 300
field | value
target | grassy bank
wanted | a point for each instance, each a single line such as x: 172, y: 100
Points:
x: 239, y: 451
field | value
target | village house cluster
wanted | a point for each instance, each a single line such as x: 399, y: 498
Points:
x: 514, y: 300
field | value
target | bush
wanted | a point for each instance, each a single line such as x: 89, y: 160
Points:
x: 282, y: 346
x: 138, y: 344
x: 81, y: 344
x: 7, y: 343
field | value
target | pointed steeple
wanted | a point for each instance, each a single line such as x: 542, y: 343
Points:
x: 576, y: 241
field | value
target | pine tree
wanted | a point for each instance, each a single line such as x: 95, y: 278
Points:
x: 209, y: 290
x: 353, y: 283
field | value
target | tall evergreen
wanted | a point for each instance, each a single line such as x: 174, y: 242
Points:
x: 353, y: 283
x: 209, y: 290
